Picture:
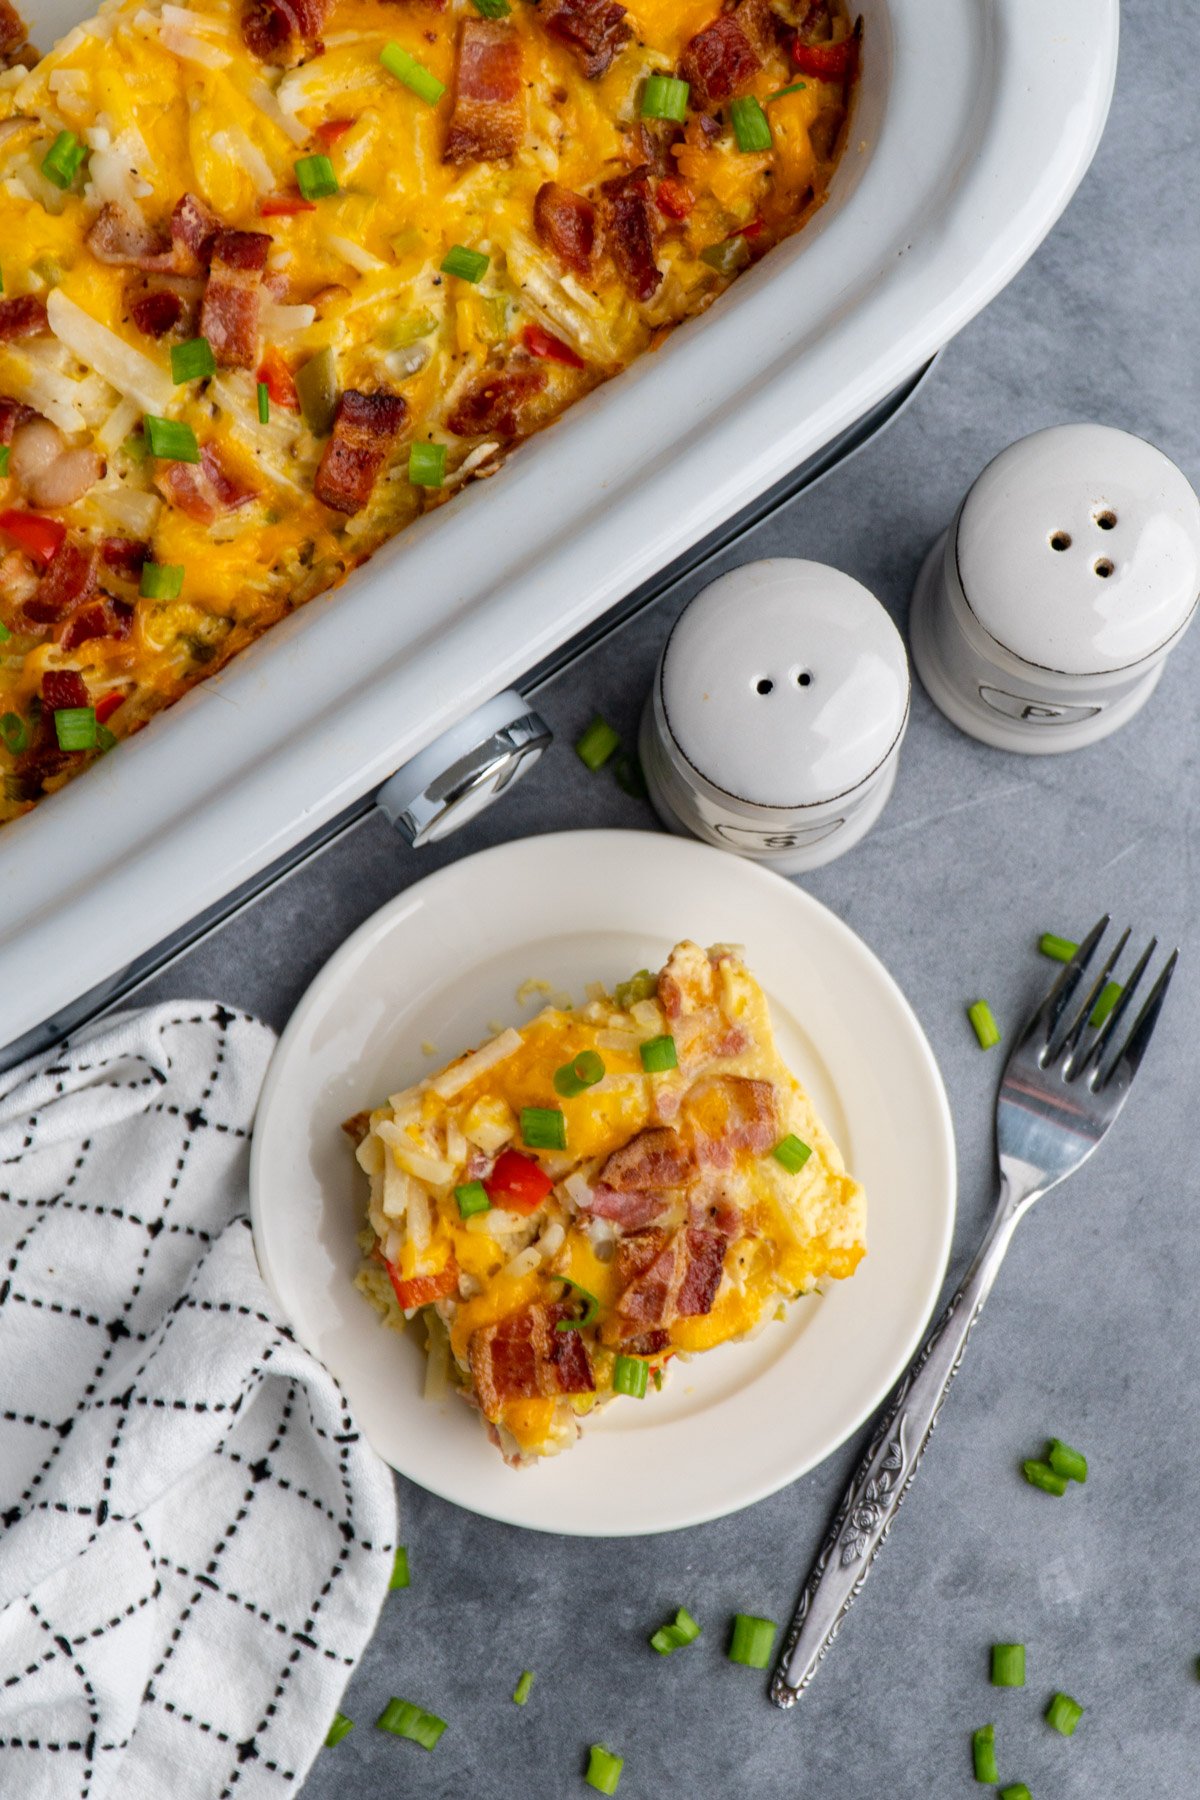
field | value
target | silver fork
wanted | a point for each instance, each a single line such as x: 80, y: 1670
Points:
x: 1062, y: 1087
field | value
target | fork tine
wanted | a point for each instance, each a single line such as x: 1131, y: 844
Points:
x: 1068, y: 1039
x: 1095, y: 1051
x: 1045, y: 1020
x: 1134, y: 1047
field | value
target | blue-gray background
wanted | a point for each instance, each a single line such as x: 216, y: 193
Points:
x: 1092, y: 1331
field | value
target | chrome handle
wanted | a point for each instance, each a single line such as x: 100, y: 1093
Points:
x: 457, y: 776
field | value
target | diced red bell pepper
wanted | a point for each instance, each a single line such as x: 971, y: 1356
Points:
x: 517, y: 1183
x: 752, y: 230
x: 285, y: 206
x: 332, y: 130
x: 38, y: 537
x: 674, y: 198
x: 419, y: 1290
x: 106, y: 707
x: 826, y: 62
x: 544, y: 344
x: 277, y: 379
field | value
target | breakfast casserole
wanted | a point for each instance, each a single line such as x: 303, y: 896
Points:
x: 578, y: 1202
x: 280, y: 275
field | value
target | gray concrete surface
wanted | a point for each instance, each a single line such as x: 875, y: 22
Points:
x: 1092, y: 1331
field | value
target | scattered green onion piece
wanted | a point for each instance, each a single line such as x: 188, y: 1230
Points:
x: 1058, y: 949
x: 1015, y: 1791
x: 642, y: 986
x: 405, y: 1720
x: 523, y: 1688
x: 412, y: 74
x: 1041, y: 1475
x: 630, y: 1375
x: 591, y: 1311
x: 315, y: 177
x: 14, y: 732
x: 64, y: 159
x: 472, y: 1198
x: 793, y: 87
x: 728, y: 256
x: 106, y: 740
x: 597, y: 744
x: 341, y: 1727
x: 399, y: 1576
x: 5, y: 633
x: 427, y: 465
x: 1065, y: 1461
x: 161, y: 581
x: 468, y: 265
x: 603, y: 1770
x: 492, y: 9
x: 672, y: 1637
x: 193, y: 361
x: 1110, y: 993
x: 658, y: 1054
x: 792, y: 1152
x: 5, y: 453
x: 665, y: 97
x: 75, y: 727
x: 171, y: 440
x: 578, y: 1075
x: 543, y: 1128
x: 135, y: 446
x: 986, y: 1028
x: 983, y: 1751
x: 751, y: 126
x: 264, y: 403
x: 1064, y: 1714
x: 1008, y: 1665
x: 752, y: 1641
x: 657, y: 1374
x: 629, y: 778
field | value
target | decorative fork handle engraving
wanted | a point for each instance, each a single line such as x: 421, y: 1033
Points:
x: 884, y: 1476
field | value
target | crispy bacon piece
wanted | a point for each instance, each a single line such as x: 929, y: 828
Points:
x: 68, y: 583
x: 121, y: 237
x: 269, y: 26
x: 233, y: 297
x: 728, y: 1113
x: 629, y: 230
x: 488, y: 121
x: 203, y: 490
x: 523, y: 1357
x: 630, y: 1186
x: 495, y: 403
x: 155, y: 311
x: 195, y: 229
x: 12, y: 31
x: 593, y: 30
x: 648, y: 1344
x: 666, y: 1276
x: 124, y: 556
x: 24, y: 317
x: 687, y: 982
x: 365, y: 427
x: 566, y: 223
x: 12, y: 416
x: 718, y: 61
x: 63, y: 688
x: 105, y: 618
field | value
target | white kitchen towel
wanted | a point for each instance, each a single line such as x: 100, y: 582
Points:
x: 194, y: 1539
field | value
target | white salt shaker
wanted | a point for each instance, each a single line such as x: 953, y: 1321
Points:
x: 774, y: 724
x: 1043, y: 616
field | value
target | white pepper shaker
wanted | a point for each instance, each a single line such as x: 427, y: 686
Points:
x: 774, y: 724
x: 1043, y: 616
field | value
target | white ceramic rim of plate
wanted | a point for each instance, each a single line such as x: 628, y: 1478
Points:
x: 724, y: 1432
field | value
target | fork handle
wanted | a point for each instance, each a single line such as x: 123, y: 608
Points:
x: 884, y: 1476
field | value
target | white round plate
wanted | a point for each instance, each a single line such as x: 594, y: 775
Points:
x: 444, y: 958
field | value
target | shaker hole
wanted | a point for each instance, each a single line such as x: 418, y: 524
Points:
x: 1106, y: 520
x: 1103, y: 568
x: 1060, y: 540
x: 803, y: 678
x: 764, y: 686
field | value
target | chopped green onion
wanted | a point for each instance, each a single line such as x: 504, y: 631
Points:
x: 630, y: 1375
x: 673, y: 1637
x: 193, y: 361
x: 751, y: 126
x: 629, y: 778
x: 983, y: 1750
x: 341, y: 1727
x: 1008, y: 1665
x: 106, y: 740
x: 1110, y: 993
x: 665, y: 97
x: 792, y: 1152
x: 5, y: 453
x: 986, y: 1028
x: 412, y: 74
x: 493, y: 9
x: 317, y: 391
x: 5, y: 633
x: 75, y: 727
x: 1016, y: 1790
x: 728, y: 256
x: 161, y: 581
x: 1065, y: 1461
x: 793, y: 87
x: 1041, y: 1475
x: 591, y: 1311
x: 399, y: 1576
x: 1059, y: 949
x: 171, y: 440
x: 752, y: 1641
x: 657, y: 1374
x: 468, y: 265
x: 264, y: 403
x: 405, y: 1720
x: 472, y: 1198
x: 597, y: 744
x: 1064, y: 1714
x: 642, y: 986
x: 427, y: 465
x: 523, y: 1688
x: 315, y: 177
x: 658, y: 1054
x: 603, y: 1770
x: 64, y: 159
x: 578, y: 1075
x: 14, y: 732
x: 543, y: 1127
